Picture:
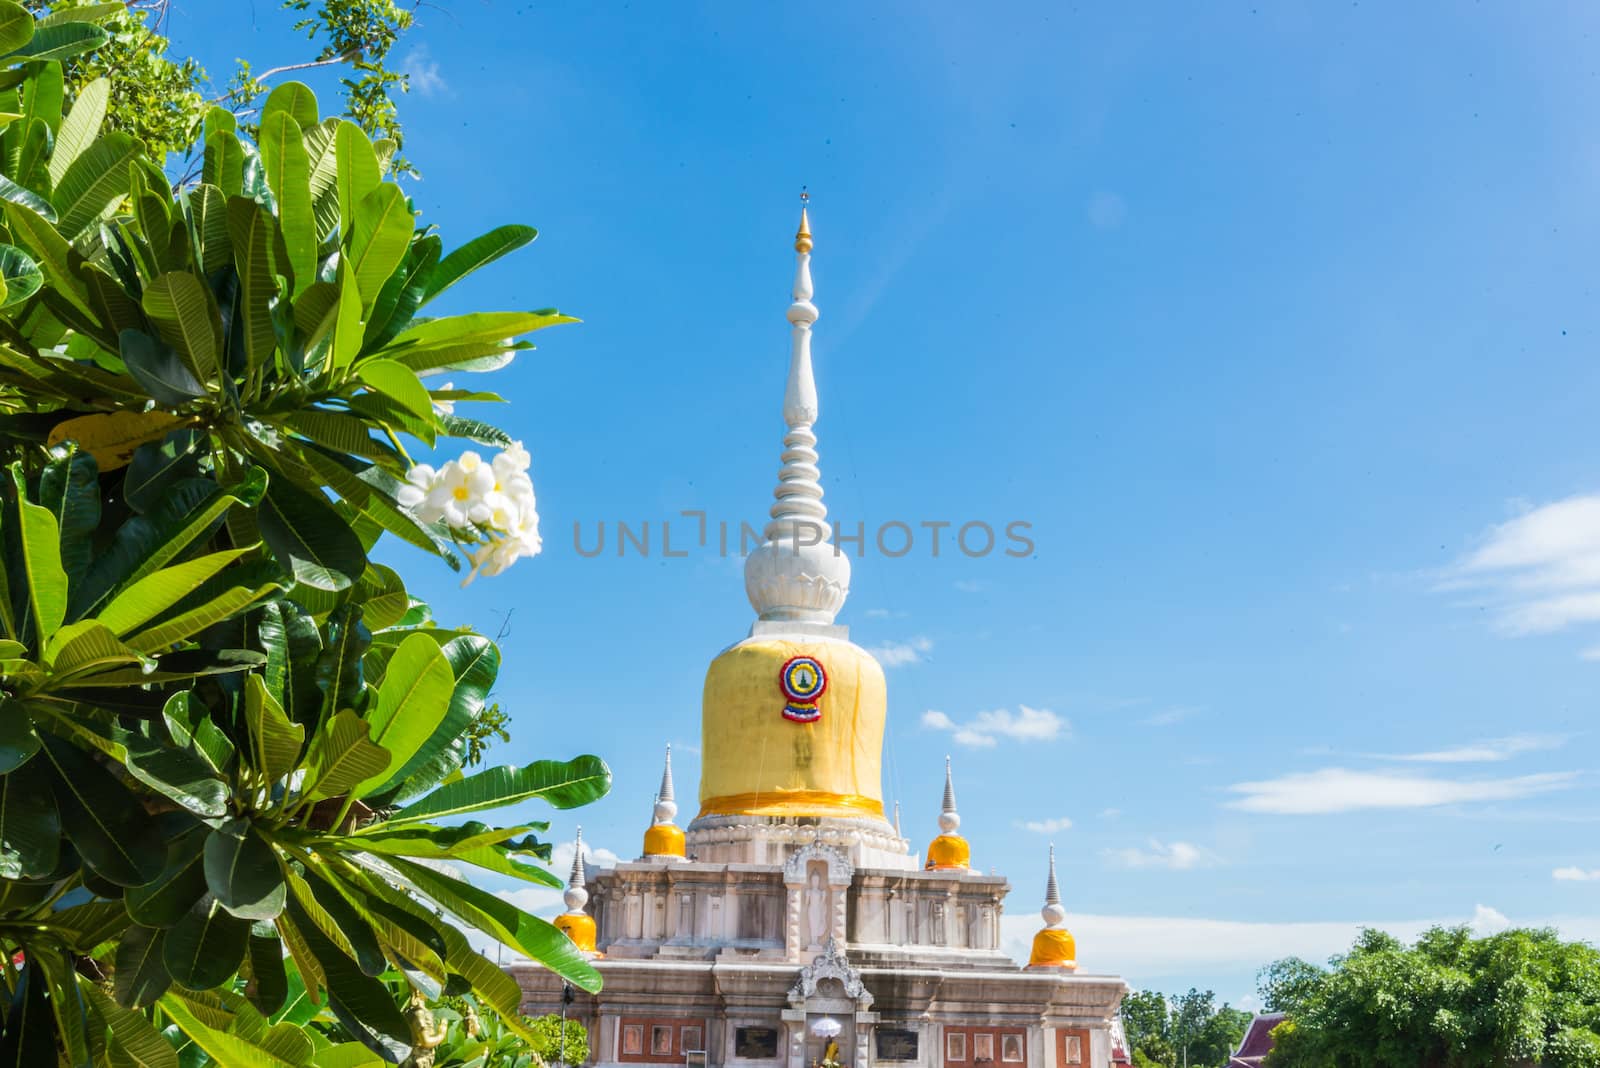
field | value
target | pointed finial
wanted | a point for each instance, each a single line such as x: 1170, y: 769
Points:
x: 796, y: 574
x: 897, y: 833
x: 666, y: 805
x: 802, y: 238
x: 576, y: 896
x: 949, y: 819
x: 1053, y: 913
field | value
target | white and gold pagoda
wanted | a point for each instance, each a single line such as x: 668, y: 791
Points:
x: 791, y: 920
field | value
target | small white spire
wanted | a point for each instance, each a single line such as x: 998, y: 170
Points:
x: 897, y: 833
x: 576, y: 896
x: 949, y: 819
x: 796, y: 574
x: 1054, y: 913
x: 666, y: 806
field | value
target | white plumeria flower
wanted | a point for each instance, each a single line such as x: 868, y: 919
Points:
x: 489, y: 505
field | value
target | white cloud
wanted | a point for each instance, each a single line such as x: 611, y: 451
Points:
x: 969, y: 586
x: 1487, y: 921
x: 1492, y: 749
x: 985, y: 729
x: 422, y: 70
x: 1049, y: 826
x: 899, y: 654
x: 1110, y: 813
x: 1576, y: 875
x: 1342, y: 790
x: 1176, y: 856
x: 1539, y: 572
x: 1168, y: 717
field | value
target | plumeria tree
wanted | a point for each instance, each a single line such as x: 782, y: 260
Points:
x: 233, y: 792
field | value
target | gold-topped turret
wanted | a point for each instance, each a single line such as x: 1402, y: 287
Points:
x: 1054, y: 947
x: 665, y: 839
x: 575, y: 923
x: 949, y: 851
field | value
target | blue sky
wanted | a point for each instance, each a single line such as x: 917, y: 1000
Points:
x: 1277, y: 325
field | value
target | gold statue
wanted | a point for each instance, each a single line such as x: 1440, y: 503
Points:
x: 426, y: 1033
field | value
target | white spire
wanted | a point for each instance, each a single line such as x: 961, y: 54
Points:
x: 576, y: 896
x: 949, y: 819
x: 897, y: 833
x: 1053, y: 913
x: 796, y: 575
x: 666, y: 806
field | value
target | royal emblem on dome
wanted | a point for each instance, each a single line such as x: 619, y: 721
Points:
x: 803, y: 681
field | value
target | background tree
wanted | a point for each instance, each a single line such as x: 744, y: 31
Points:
x: 162, y: 100
x: 1521, y: 997
x: 1159, y: 1029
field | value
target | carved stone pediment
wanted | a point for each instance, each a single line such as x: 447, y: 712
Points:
x: 840, y: 869
x: 830, y: 964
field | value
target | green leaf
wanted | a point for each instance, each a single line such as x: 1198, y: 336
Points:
x: 141, y: 974
x: 157, y: 464
x: 30, y: 828
x: 399, y: 384
x: 70, y: 488
x: 205, y: 948
x: 294, y: 100
x: 223, y: 165
x: 323, y: 154
x: 223, y: 1047
x: 86, y: 646
x: 80, y: 128
x: 268, y: 988
x: 338, y: 337
x: 358, y: 172
x: 476, y: 253
x: 207, y: 208
x: 152, y: 595
x: 252, y: 231
x: 132, y: 1041
x: 486, y: 327
x: 103, y: 819
x: 330, y: 912
x: 274, y: 741
x: 379, y: 240
x: 60, y: 41
x: 187, y: 624
x: 40, y: 544
x: 563, y: 784
x: 17, y: 194
x: 309, y: 538
x: 21, y: 276
x: 475, y: 662
x: 60, y: 263
x: 183, y: 310
x: 403, y: 293
x: 345, y: 756
x: 28, y: 1039
x: 412, y: 701
x: 94, y: 182
x: 159, y: 369
x: 19, y: 741
x: 189, y: 510
x: 288, y: 169
x: 182, y: 775
x: 365, y: 997
x: 16, y: 26
x: 243, y: 872
x: 501, y: 919
x: 169, y: 897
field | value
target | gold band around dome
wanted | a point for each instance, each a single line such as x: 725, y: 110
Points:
x: 792, y: 803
